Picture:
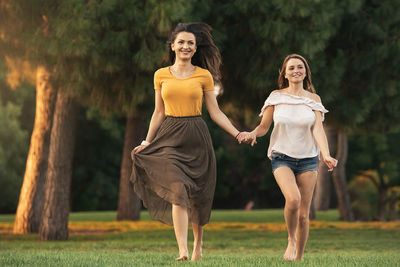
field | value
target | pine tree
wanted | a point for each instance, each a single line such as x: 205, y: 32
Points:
x: 364, y: 93
x: 16, y: 46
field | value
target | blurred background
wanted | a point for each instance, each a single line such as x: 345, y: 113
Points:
x: 76, y: 95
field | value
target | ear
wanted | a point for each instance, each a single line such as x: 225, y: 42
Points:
x: 173, y: 47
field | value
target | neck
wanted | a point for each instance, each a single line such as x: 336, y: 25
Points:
x: 182, y: 65
x: 295, y: 88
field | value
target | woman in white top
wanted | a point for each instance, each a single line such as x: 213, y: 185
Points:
x: 296, y: 141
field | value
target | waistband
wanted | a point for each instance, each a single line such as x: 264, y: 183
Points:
x: 183, y: 117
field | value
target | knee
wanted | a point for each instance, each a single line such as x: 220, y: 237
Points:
x: 293, y: 203
x: 304, y: 219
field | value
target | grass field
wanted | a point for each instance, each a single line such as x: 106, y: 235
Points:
x: 234, y: 238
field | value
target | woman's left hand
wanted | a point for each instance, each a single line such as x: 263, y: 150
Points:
x: 330, y: 162
x: 248, y: 138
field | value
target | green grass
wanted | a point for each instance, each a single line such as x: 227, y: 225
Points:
x: 258, y: 216
x: 326, y: 247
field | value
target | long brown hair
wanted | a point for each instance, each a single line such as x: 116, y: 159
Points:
x: 207, y: 55
x: 307, y: 82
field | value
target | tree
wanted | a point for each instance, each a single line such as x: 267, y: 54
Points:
x: 322, y: 194
x: 16, y: 43
x: 54, y: 224
x: 66, y: 48
x: 367, y: 38
x: 128, y: 202
x: 37, y: 42
x: 29, y: 212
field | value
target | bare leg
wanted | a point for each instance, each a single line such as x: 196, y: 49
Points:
x: 287, y: 183
x: 198, y: 242
x: 180, y: 219
x: 306, y: 182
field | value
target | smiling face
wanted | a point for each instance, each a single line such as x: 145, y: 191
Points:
x: 184, y: 45
x: 295, y: 70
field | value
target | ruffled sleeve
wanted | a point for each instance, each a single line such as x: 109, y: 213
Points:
x: 277, y: 98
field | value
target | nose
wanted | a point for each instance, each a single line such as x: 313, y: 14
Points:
x: 185, y: 45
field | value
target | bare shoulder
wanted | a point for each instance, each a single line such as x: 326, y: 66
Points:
x: 314, y: 97
x: 275, y: 91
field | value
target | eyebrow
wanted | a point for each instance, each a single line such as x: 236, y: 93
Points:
x: 186, y: 40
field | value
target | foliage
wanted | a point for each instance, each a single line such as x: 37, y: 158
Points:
x: 97, y: 161
x: 115, y: 47
x: 13, y: 144
x: 364, y: 197
x: 255, y: 36
x: 376, y: 165
x: 16, y: 122
x: 361, y: 69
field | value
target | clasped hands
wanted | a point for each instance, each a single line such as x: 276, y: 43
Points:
x: 247, y: 137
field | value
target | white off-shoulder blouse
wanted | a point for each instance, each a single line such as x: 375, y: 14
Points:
x: 294, y: 118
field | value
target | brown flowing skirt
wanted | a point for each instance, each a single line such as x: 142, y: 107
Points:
x: 177, y: 167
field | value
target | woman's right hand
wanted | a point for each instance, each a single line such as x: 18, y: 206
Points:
x: 137, y: 150
x: 330, y: 162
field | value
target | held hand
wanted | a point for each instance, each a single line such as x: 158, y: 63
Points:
x: 248, y: 138
x: 330, y: 162
x: 240, y: 137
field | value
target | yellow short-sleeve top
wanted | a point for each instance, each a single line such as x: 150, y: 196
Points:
x: 183, y: 97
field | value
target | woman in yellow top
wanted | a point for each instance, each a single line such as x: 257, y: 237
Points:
x: 174, y: 169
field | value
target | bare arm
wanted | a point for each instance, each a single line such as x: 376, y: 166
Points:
x: 265, y: 123
x: 321, y: 140
x: 217, y: 115
x: 157, y: 117
x: 319, y: 135
x: 261, y: 129
x: 156, y: 120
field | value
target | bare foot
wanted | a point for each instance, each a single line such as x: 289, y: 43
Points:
x: 290, y: 250
x: 183, y: 255
x: 182, y: 258
x: 197, y: 254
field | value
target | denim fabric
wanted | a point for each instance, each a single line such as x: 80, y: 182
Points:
x: 296, y: 165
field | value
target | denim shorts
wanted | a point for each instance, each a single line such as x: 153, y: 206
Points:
x: 296, y: 165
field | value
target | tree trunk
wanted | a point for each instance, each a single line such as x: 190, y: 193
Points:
x: 339, y: 179
x: 312, y: 214
x: 128, y: 201
x: 322, y: 193
x: 54, y: 225
x: 392, y: 205
x: 31, y: 199
x: 382, y: 200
